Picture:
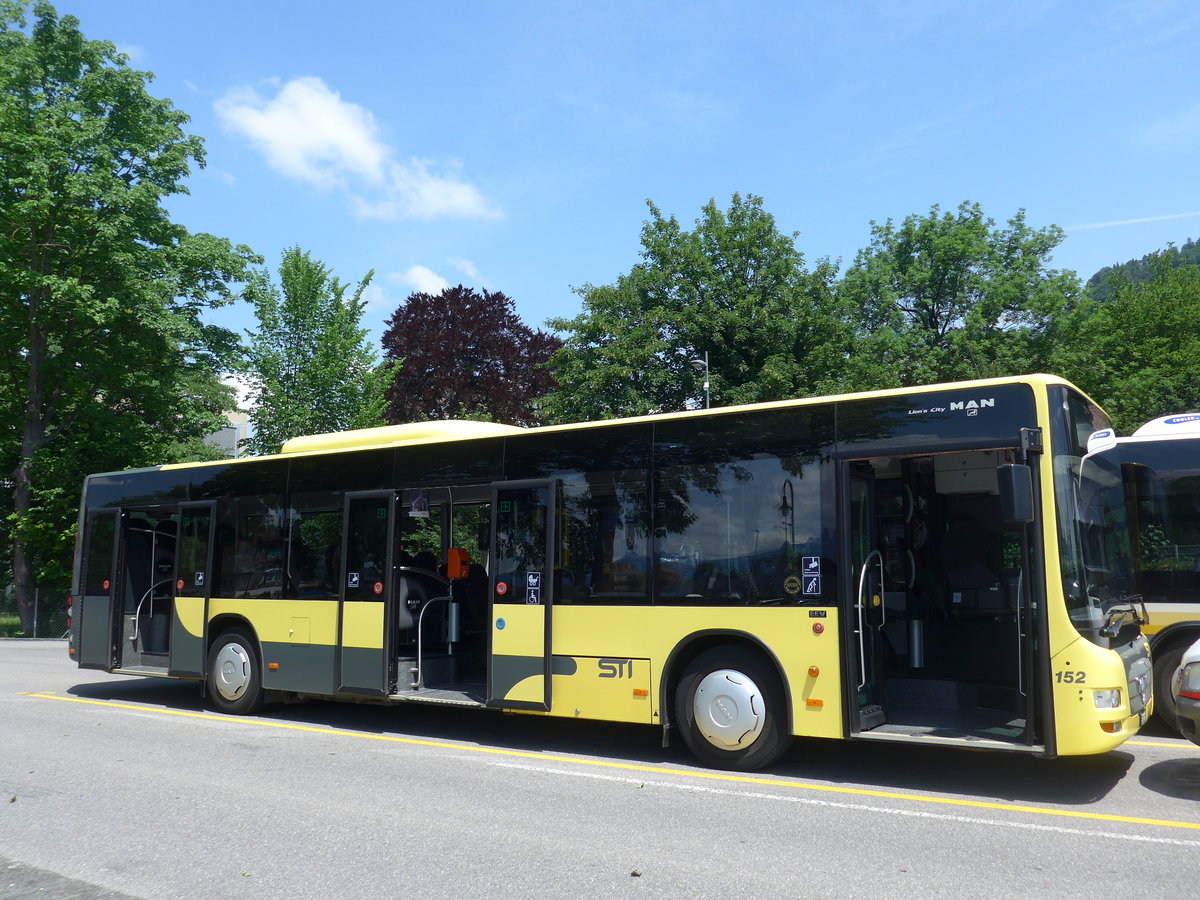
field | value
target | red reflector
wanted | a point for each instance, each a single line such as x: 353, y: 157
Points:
x: 1191, y: 695
x: 68, y: 621
x: 70, y: 601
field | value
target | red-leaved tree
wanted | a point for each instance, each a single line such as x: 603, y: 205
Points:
x: 466, y: 354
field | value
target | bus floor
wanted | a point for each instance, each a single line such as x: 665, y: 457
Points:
x: 952, y: 709
x: 459, y: 679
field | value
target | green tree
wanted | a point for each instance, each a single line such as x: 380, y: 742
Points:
x: 950, y: 296
x: 734, y: 287
x: 106, y: 359
x: 1138, y: 352
x: 311, y: 370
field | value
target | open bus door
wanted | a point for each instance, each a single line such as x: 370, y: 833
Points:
x: 869, y: 613
x: 941, y: 637
x: 522, y: 593
x: 366, y: 592
x: 97, y: 613
x: 193, y: 582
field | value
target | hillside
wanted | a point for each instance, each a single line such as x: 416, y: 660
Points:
x: 1138, y: 270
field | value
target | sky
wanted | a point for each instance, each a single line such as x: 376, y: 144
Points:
x: 513, y: 145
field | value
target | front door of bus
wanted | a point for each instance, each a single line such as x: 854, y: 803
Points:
x: 868, y: 612
x: 522, y: 593
x: 366, y: 591
x: 193, y: 565
x: 937, y: 599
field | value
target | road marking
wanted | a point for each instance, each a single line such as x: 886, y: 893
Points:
x: 837, y: 804
x: 1182, y: 743
x: 700, y: 775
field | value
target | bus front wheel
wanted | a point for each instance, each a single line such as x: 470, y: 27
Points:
x: 234, y: 677
x: 729, y: 706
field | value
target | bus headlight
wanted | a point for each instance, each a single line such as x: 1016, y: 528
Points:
x: 1107, y: 699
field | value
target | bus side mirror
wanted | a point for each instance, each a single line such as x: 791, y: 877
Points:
x: 1016, y: 493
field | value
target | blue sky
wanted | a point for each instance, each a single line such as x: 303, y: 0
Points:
x: 512, y: 145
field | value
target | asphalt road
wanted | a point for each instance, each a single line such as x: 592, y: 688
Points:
x: 112, y: 786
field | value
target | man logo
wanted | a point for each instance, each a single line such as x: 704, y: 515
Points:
x: 973, y: 404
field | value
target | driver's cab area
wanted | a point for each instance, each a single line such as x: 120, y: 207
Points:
x: 440, y: 616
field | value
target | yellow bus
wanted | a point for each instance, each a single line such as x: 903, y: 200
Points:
x: 936, y: 565
x: 1161, y: 463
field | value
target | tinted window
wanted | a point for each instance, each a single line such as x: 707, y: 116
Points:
x: 251, y: 537
x: 101, y: 537
x: 314, y: 545
x: 739, y: 505
x: 966, y: 419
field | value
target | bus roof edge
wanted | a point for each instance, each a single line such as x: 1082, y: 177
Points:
x: 395, y: 435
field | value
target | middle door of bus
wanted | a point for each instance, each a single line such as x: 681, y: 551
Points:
x: 522, y: 593
x: 366, y: 591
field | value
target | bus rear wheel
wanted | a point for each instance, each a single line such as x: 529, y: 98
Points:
x: 234, y: 675
x: 729, y: 706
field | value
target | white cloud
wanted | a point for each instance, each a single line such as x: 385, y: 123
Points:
x: 467, y: 268
x: 241, y: 388
x: 1119, y: 222
x: 308, y: 132
x: 377, y: 298
x: 420, y: 278
x: 1177, y: 132
x: 137, y: 55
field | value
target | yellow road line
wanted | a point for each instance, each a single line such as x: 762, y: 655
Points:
x: 659, y: 770
x: 1181, y: 744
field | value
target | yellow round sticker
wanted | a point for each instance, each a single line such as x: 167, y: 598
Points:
x: 791, y: 584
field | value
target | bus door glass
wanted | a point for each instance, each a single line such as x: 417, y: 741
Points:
x: 523, y: 562
x: 149, y: 539
x: 193, y: 582
x: 97, y: 616
x: 366, y: 591
x: 868, y: 583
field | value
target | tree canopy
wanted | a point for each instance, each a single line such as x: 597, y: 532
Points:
x: 311, y: 369
x: 1137, y: 353
x: 950, y: 295
x: 106, y: 358
x: 465, y: 354
x: 734, y: 287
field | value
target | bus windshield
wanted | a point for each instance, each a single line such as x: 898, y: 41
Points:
x: 1095, y: 549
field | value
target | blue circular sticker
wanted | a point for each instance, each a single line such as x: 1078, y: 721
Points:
x: 499, y: 624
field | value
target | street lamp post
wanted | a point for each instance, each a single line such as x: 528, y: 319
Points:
x: 701, y: 365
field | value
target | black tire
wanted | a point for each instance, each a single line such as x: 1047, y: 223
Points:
x: 235, y: 674
x: 741, y: 688
x: 1165, y: 663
